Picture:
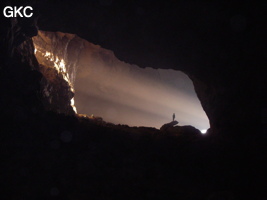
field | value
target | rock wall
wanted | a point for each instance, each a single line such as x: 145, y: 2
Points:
x: 58, y: 54
x: 27, y: 87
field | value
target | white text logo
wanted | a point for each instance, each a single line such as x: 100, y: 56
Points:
x: 18, y: 12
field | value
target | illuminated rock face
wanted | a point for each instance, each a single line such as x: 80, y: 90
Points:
x: 28, y: 86
x: 57, y: 93
x: 59, y: 68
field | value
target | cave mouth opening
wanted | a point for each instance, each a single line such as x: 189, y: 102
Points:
x: 116, y: 91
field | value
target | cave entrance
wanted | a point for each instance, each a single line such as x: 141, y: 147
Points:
x: 118, y: 92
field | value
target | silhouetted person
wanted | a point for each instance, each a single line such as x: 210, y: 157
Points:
x: 173, y: 116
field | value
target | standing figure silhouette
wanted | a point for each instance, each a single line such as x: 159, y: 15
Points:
x: 173, y: 116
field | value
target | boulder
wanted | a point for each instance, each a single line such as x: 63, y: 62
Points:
x: 169, y: 125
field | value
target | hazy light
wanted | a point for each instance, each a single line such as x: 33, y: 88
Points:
x: 204, y: 131
x: 119, y: 92
x: 126, y: 94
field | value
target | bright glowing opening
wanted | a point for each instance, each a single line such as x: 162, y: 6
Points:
x: 118, y: 92
x: 204, y: 131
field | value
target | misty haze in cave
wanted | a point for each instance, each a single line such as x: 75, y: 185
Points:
x: 122, y: 93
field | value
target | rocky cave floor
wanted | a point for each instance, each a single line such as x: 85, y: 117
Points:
x: 55, y: 156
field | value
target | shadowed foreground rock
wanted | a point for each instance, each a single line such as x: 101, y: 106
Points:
x: 169, y: 125
x: 170, y: 129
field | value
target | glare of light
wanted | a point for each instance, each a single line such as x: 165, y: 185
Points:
x: 204, y: 131
x: 73, y: 105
